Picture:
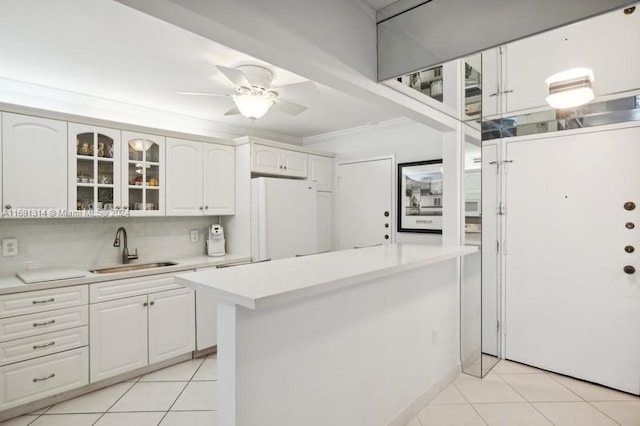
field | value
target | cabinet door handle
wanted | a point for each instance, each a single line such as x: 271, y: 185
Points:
x: 200, y: 207
x: 44, y: 345
x: 42, y: 379
x: 8, y: 207
x: 280, y: 166
x: 206, y: 207
x: 152, y: 303
x: 38, y: 324
x: 285, y: 167
x: 37, y: 302
x: 145, y: 304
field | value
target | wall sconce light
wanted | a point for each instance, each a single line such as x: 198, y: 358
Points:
x: 571, y: 88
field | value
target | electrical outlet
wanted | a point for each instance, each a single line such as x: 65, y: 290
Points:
x: 194, y: 236
x: 10, y: 247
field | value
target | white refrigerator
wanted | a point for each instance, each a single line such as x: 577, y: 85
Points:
x: 284, y: 218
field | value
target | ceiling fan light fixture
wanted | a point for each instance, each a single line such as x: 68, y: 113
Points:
x: 252, y: 106
x: 571, y: 88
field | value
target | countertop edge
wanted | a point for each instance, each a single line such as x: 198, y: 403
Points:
x: 327, y: 286
x: 11, y: 285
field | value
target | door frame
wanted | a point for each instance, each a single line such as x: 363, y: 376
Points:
x: 393, y: 221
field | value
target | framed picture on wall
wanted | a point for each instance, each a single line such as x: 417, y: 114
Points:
x: 420, y: 196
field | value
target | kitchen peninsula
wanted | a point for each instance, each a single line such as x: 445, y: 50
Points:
x: 353, y: 337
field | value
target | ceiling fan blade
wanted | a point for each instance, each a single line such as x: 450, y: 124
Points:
x: 305, y: 88
x: 233, y: 111
x: 236, y: 77
x: 289, y: 107
x: 203, y: 94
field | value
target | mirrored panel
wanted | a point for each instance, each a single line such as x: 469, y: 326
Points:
x: 436, y: 32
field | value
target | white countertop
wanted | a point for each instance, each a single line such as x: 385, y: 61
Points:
x: 269, y: 283
x: 13, y: 284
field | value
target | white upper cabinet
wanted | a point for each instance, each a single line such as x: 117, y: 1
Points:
x: 184, y: 183
x: 95, y: 181
x: 321, y: 172
x: 278, y: 162
x: 219, y: 179
x: 200, y: 178
x: 34, y: 162
x: 143, y: 174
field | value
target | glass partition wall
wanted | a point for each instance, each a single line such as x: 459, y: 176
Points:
x: 479, y: 291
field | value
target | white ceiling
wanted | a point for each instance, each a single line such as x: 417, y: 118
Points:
x: 378, y: 4
x: 105, y: 49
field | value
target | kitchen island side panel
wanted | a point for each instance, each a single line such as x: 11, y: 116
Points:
x: 353, y: 356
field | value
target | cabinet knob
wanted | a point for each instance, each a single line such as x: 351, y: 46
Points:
x: 280, y: 166
x: 386, y: 214
x: 386, y: 225
x: 145, y: 304
x: 629, y: 249
x: 285, y: 167
x: 206, y: 207
x: 8, y: 206
x: 629, y: 205
x: 386, y: 237
x: 152, y: 303
x: 628, y: 269
x: 629, y: 225
x: 201, y: 207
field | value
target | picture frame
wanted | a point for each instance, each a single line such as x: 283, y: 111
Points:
x: 420, y: 196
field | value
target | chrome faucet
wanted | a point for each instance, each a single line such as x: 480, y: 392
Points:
x: 126, y: 257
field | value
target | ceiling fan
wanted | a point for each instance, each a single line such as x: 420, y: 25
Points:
x: 254, y: 95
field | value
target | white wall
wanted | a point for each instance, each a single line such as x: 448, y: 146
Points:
x: 407, y: 140
x: 360, y: 356
x: 87, y: 243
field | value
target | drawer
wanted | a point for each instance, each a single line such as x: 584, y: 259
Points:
x: 44, y: 344
x: 30, y: 302
x: 41, y: 377
x: 119, y: 289
x: 43, y: 322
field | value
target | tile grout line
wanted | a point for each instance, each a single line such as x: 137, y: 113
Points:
x: 583, y: 399
x: 116, y: 401
x: 527, y: 399
x: 469, y: 402
x: 183, y: 389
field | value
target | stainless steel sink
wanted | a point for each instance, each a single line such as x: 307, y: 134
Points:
x: 132, y: 267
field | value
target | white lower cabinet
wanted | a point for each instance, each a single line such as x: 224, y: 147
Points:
x: 133, y: 332
x: 43, y: 344
x: 42, y: 377
x: 118, y: 336
x: 172, y: 329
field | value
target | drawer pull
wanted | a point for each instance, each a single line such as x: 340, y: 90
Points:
x: 42, y: 379
x: 44, y: 345
x: 37, y: 302
x: 38, y: 324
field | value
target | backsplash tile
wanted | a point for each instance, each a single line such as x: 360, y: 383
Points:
x: 88, y: 243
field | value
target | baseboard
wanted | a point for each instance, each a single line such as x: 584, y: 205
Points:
x: 412, y: 410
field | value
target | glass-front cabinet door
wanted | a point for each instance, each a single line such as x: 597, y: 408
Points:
x: 143, y: 172
x: 94, y: 169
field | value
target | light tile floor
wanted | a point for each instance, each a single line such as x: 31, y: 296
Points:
x: 181, y: 395
x: 511, y: 395
x: 518, y: 395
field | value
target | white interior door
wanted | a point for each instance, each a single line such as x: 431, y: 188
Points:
x: 364, y: 203
x: 570, y: 306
